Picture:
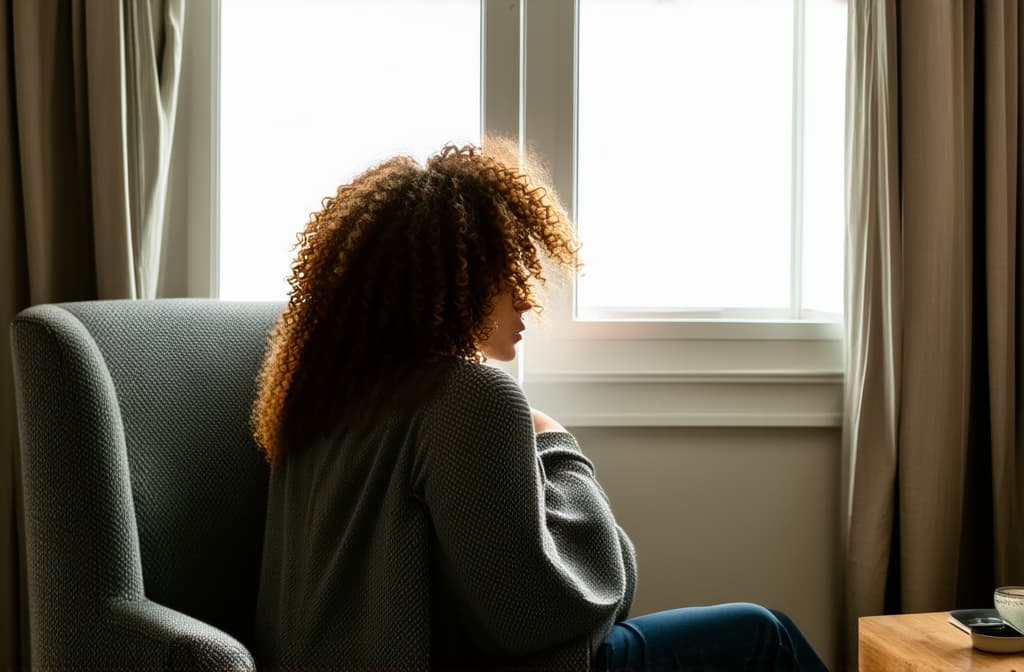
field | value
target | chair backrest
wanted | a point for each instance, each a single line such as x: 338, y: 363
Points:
x: 158, y: 394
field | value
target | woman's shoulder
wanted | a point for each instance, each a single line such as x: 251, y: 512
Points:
x: 472, y: 385
x: 479, y: 416
x: 469, y: 370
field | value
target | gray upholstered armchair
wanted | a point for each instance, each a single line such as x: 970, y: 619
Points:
x: 144, y: 493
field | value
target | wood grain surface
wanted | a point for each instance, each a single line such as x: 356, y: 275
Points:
x: 924, y: 642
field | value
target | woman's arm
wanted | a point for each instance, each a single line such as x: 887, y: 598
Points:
x: 542, y: 422
x: 524, y: 532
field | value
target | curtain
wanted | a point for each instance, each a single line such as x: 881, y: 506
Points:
x: 932, y: 438
x: 88, y: 94
x: 873, y: 305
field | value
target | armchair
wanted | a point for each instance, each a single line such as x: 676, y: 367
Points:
x: 144, y: 494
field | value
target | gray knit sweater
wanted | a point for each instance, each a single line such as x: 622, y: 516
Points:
x: 447, y: 536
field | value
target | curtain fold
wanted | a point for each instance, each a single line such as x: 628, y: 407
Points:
x: 153, y: 35
x: 67, y: 99
x: 936, y: 74
x: 874, y: 313
x: 932, y: 435
x: 13, y: 293
x: 1004, y: 186
x: 87, y: 114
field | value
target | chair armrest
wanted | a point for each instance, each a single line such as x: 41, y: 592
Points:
x: 153, y: 634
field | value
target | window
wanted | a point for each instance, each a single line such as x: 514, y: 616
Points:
x: 710, y: 157
x: 708, y: 131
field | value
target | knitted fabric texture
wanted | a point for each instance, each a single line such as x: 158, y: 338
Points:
x: 144, y: 493
x: 446, y: 536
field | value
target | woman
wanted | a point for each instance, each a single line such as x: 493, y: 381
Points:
x: 421, y: 514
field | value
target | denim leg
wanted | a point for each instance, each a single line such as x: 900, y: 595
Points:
x: 806, y: 656
x: 727, y: 637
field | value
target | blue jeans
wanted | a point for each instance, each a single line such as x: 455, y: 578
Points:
x: 727, y: 637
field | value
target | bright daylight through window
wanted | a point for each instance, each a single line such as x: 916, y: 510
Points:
x: 710, y: 167
x: 709, y: 173
x: 312, y: 93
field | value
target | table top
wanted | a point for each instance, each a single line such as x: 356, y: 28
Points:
x: 924, y: 642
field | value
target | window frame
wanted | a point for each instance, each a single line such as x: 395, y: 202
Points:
x: 729, y: 368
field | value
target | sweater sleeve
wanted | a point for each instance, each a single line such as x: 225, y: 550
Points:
x: 629, y: 563
x: 524, y: 533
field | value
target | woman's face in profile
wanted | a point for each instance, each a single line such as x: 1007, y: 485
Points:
x: 506, y: 320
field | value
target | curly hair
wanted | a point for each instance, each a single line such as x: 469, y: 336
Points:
x: 399, y: 270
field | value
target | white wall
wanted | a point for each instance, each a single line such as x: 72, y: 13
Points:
x: 727, y: 515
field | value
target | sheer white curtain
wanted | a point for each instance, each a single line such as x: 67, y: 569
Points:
x: 153, y: 59
x: 874, y: 313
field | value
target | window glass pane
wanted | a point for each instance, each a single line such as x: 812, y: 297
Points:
x: 315, y: 91
x: 824, y: 115
x: 685, y: 150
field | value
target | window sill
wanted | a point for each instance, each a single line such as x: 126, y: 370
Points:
x: 722, y: 398
x: 636, y: 375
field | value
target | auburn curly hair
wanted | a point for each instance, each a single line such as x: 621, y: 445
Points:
x: 398, y: 271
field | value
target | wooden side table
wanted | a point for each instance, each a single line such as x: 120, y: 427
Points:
x: 925, y: 642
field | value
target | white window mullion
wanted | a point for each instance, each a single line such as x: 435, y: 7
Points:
x: 796, y: 260
x: 501, y: 75
x: 500, y: 72
x: 549, y: 117
x: 549, y: 66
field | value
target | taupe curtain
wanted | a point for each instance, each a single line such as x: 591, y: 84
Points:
x: 88, y: 93
x: 933, y: 428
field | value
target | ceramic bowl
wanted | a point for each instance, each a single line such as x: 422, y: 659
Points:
x: 1010, y: 605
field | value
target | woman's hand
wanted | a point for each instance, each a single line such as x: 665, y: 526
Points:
x: 542, y: 422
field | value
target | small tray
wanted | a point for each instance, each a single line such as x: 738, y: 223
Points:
x: 996, y: 638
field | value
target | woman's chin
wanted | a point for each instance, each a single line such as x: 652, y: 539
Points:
x: 503, y: 355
